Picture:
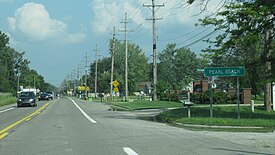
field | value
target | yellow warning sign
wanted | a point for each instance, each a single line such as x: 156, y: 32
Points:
x: 115, y: 89
x: 115, y: 83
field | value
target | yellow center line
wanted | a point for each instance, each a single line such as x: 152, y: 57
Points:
x: 20, y: 121
x: 3, y: 135
x: 28, y: 119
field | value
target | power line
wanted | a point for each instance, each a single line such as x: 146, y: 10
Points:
x: 200, y: 39
x: 181, y: 35
x: 195, y: 35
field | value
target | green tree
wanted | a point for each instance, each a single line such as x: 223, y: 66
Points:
x: 12, y: 65
x: 246, y: 40
x: 177, y: 66
x: 137, y: 68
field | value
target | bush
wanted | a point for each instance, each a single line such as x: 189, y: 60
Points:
x: 169, y: 97
x: 217, y: 98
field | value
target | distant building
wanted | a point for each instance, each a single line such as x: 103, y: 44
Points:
x: 145, y: 87
x: 200, y: 86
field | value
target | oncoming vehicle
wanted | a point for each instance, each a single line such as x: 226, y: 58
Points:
x: 43, y: 96
x: 26, y: 99
x: 50, y: 94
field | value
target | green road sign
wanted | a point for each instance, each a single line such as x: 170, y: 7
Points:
x: 224, y: 71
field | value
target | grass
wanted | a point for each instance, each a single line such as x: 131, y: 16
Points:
x: 6, y: 100
x: 223, y: 116
x: 141, y: 104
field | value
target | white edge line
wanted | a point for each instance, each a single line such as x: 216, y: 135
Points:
x: 6, y: 110
x: 129, y: 151
x: 86, y: 115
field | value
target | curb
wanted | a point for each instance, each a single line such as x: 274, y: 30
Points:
x: 213, y: 126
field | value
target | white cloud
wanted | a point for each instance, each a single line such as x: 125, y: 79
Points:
x: 34, y: 22
x: 107, y: 13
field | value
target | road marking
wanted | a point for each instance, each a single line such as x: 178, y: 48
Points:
x: 28, y: 119
x: 86, y: 115
x: 6, y: 110
x: 4, y: 131
x: 129, y: 151
x: 3, y: 135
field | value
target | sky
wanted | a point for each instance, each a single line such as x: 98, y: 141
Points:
x: 56, y: 35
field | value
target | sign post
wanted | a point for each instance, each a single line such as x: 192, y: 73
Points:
x: 225, y: 72
x: 115, y: 89
x: 273, y: 95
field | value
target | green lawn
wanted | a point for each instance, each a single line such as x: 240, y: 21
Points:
x: 141, y: 104
x: 222, y: 116
x: 7, y: 99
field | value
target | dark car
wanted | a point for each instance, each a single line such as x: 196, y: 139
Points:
x: 26, y: 99
x: 51, y: 95
x: 44, y: 96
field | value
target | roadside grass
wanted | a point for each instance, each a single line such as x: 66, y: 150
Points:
x: 6, y: 100
x: 142, y: 104
x: 222, y: 116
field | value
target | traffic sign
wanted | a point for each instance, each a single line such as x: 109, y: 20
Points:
x: 224, y: 71
x: 115, y: 83
x: 82, y: 88
x: 115, y: 89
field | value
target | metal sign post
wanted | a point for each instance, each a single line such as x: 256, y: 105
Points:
x: 210, y: 80
x: 273, y: 95
x: 238, y: 96
x: 115, y: 89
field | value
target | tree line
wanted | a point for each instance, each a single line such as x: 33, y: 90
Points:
x: 245, y: 38
x: 15, y: 68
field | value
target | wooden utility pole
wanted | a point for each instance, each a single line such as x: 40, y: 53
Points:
x: 96, y: 61
x: 153, y: 5
x: 267, y: 53
x: 113, y: 61
x: 86, y: 72
x: 126, y: 55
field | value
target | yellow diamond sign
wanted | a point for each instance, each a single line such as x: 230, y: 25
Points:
x: 115, y: 89
x: 115, y: 83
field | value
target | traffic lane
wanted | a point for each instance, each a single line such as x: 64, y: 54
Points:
x: 9, y: 117
x: 61, y: 129
x: 156, y: 138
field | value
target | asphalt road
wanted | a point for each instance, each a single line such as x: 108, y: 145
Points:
x: 75, y: 127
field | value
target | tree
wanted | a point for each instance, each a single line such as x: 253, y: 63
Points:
x: 14, y: 66
x: 137, y: 68
x: 246, y: 40
x: 177, y: 66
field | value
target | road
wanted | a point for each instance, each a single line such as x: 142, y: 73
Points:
x: 72, y: 126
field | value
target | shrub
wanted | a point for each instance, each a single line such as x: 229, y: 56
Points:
x: 217, y: 98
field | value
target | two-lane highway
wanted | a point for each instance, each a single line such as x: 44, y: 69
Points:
x: 11, y: 114
x: 73, y: 126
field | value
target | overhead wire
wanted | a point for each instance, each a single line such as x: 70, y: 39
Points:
x: 196, y: 41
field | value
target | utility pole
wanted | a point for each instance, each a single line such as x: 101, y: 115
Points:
x: 153, y: 5
x: 34, y: 83
x: 268, y: 65
x: 96, y: 61
x: 113, y: 61
x: 86, y: 72
x: 126, y: 56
